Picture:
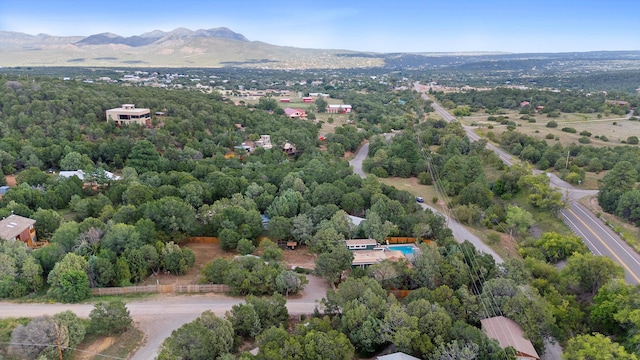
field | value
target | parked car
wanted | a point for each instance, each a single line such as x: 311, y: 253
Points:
x: 419, y: 199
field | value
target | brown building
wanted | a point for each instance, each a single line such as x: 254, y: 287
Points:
x: 509, y: 333
x: 18, y: 228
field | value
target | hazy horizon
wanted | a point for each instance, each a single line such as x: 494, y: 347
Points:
x: 401, y: 26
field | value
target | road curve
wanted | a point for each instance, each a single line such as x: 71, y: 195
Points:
x: 460, y: 233
x: 600, y: 239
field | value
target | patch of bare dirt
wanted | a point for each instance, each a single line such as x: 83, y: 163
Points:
x: 510, y: 246
x: 11, y: 180
x: 300, y: 257
x: 89, y: 350
x: 206, y: 253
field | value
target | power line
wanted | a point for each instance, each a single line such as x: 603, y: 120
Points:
x: 62, y: 347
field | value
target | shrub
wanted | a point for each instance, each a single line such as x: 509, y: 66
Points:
x: 550, y: 136
x: 584, y: 140
x: 490, y: 127
x: 552, y: 124
x: 604, y: 138
x: 525, y: 117
x: 633, y: 118
x: 493, y: 238
x: 554, y: 114
x: 424, y: 178
x: 585, y: 133
x: 434, y: 199
x: 632, y: 140
x: 569, y: 130
x: 245, y: 246
x: 532, y: 120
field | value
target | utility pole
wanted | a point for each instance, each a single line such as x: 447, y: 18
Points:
x: 58, y: 341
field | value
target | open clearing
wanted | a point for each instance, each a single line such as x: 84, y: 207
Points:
x: 581, y: 122
x: 205, y: 253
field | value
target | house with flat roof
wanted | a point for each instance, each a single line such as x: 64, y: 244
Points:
x: 361, y: 244
x: 364, y: 258
x: 338, y: 109
x: 129, y: 114
x: 81, y: 175
x: 509, y: 333
x: 18, y: 228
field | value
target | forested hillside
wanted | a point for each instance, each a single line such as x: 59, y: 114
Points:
x: 179, y: 179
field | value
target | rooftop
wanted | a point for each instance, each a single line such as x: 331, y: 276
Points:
x: 13, y: 225
x: 361, y: 242
x: 508, y: 333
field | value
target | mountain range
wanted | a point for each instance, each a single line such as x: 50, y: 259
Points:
x: 222, y: 47
x: 216, y: 47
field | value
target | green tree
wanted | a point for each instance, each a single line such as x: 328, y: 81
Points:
x: 557, y: 247
x: 207, y: 337
x: 596, y: 347
x: 69, y: 280
x: 110, y: 317
x: 586, y: 273
x: 47, y: 222
x: 518, y: 220
x: 620, y: 179
x: 330, y: 265
x: 289, y: 283
x: 301, y: 228
x: 270, y: 250
x: 321, y: 104
x: 245, y: 247
x: 144, y: 157
x: 120, y: 237
x: 74, y: 161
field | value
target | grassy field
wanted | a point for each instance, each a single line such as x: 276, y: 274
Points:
x: 622, y: 129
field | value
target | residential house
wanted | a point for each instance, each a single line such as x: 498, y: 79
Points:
x: 264, y: 142
x: 3, y: 189
x: 289, y: 148
x: 509, y: 333
x: 361, y: 244
x: 617, y: 102
x: 285, y: 100
x: 307, y: 99
x: 524, y: 103
x: 81, y: 175
x: 338, y: 109
x: 295, y: 113
x: 397, y: 356
x: 128, y: 114
x: 18, y: 228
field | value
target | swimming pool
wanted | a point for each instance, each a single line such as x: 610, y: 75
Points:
x: 405, y: 249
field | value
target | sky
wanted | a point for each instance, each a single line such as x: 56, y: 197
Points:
x: 376, y: 25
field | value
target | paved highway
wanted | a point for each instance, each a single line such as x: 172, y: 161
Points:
x: 600, y: 239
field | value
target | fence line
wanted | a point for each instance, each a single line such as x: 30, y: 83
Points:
x: 175, y: 288
x: 203, y: 239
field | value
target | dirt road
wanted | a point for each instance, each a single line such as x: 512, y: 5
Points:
x: 157, y: 317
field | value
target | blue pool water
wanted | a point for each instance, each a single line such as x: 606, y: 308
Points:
x: 405, y: 249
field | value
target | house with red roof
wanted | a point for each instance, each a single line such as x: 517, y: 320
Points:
x: 295, y: 113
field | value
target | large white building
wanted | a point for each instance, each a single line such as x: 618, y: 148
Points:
x: 128, y: 114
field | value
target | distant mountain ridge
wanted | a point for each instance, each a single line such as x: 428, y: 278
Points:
x: 222, y: 47
x: 181, y: 47
x: 158, y: 35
